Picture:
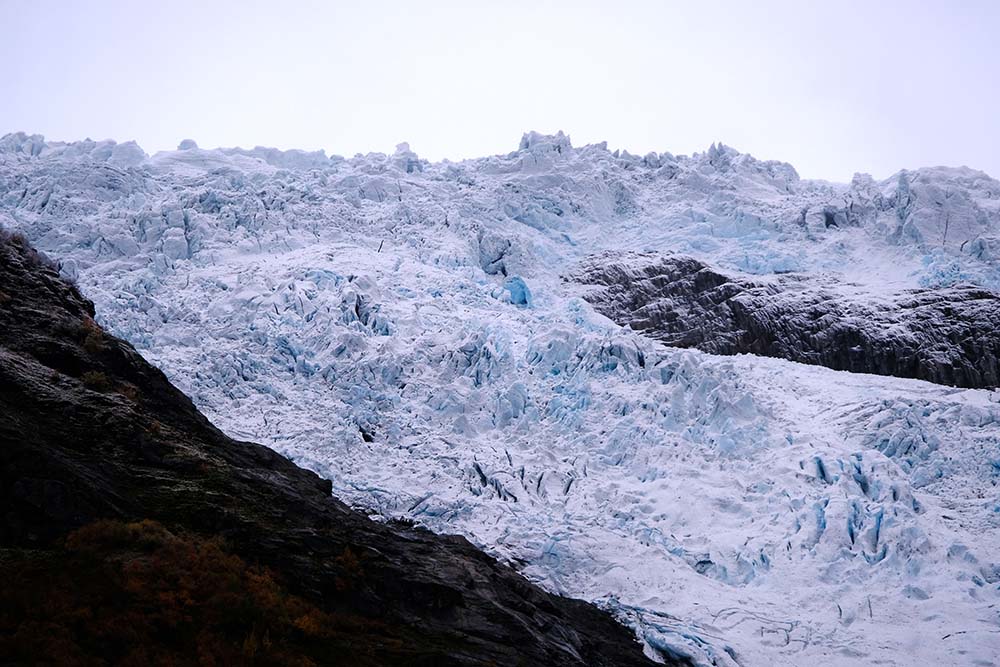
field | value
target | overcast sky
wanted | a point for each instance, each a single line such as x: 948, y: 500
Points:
x: 832, y: 87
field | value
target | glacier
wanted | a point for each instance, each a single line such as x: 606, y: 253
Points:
x: 404, y: 328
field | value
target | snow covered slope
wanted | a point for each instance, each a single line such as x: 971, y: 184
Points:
x: 402, y: 328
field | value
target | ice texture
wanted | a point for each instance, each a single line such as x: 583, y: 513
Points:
x: 401, y: 327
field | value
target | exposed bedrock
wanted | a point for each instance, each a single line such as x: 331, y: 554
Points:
x: 89, y: 431
x: 946, y: 335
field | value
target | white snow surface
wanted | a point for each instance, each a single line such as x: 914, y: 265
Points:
x: 401, y: 327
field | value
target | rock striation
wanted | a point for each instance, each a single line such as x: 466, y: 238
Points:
x: 948, y: 335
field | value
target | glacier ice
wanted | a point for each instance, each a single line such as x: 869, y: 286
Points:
x: 402, y: 327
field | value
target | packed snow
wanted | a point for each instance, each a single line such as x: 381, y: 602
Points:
x: 402, y: 328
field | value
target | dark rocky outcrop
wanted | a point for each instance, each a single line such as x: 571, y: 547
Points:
x: 89, y: 431
x: 949, y: 335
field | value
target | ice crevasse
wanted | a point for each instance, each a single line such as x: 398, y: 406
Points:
x: 405, y: 329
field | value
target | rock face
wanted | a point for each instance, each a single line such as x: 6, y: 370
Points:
x: 89, y: 431
x: 948, y: 335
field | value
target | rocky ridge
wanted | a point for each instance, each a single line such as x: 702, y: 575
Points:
x: 90, y: 431
x: 948, y: 335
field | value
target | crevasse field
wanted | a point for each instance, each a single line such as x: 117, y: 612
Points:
x: 404, y: 329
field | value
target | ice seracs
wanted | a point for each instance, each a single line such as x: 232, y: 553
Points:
x: 402, y: 327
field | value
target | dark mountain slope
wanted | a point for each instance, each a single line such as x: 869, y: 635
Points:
x: 89, y: 431
x: 948, y: 335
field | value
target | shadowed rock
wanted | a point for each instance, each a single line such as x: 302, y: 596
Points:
x: 949, y: 335
x: 90, y: 431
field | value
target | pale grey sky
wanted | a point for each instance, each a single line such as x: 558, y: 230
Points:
x: 832, y: 87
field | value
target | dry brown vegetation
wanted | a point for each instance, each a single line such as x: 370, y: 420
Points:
x: 96, y: 380
x: 93, y: 337
x: 138, y: 594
